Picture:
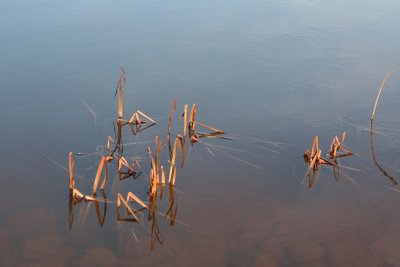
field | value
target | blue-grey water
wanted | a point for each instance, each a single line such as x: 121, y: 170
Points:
x: 272, y: 74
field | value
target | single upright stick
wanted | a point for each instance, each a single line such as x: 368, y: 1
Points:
x: 120, y: 94
x: 71, y: 171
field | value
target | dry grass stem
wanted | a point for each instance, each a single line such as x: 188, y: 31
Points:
x: 162, y: 175
x: 78, y: 196
x: 172, y: 169
x: 185, y: 124
x: 170, y: 119
x: 215, y: 130
x: 193, y: 115
x: 120, y: 94
x: 381, y: 88
x: 136, y: 120
x: 133, y: 197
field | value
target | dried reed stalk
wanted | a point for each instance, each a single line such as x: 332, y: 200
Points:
x: 162, y: 175
x: 123, y: 162
x: 147, y: 117
x: 78, y: 196
x: 156, y: 159
x: 133, y: 197
x: 153, y: 175
x: 170, y: 120
x: 381, y: 88
x: 172, y: 169
x: 120, y: 94
x: 192, y: 120
x: 215, y: 130
x: 153, y: 186
x: 71, y: 171
x: 135, y: 119
x: 185, y: 124
x: 98, y: 174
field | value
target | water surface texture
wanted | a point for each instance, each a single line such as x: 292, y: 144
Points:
x: 272, y: 74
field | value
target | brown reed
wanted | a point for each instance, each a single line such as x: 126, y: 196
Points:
x: 185, y: 124
x: 120, y: 94
x: 71, y: 171
x: 98, y: 174
x: 170, y: 119
x: 172, y: 169
x: 391, y: 71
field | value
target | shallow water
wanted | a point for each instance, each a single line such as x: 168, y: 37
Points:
x: 272, y: 74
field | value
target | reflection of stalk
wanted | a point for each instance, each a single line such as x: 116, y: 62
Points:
x: 155, y: 230
x: 70, y: 209
x: 384, y: 172
x: 171, y: 213
x: 119, y: 137
x: 101, y: 219
x: 336, y: 173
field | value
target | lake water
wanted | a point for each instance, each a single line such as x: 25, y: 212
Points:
x: 272, y: 74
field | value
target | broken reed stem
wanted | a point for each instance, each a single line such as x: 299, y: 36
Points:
x: 211, y: 128
x: 71, y: 171
x: 147, y: 117
x: 98, y: 174
x: 343, y: 137
x: 170, y: 120
x: 313, y: 161
x: 156, y: 159
x: 185, y: 124
x: 153, y: 174
x: 123, y: 162
x: 381, y: 88
x: 120, y: 94
x: 162, y: 175
x: 135, y: 198
x: 192, y: 120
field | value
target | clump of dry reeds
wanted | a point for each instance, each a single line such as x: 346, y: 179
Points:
x: 114, y: 150
x: 337, y: 145
x: 313, y: 157
x: 170, y: 120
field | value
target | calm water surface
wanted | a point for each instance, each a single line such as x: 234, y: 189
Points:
x: 272, y: 74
